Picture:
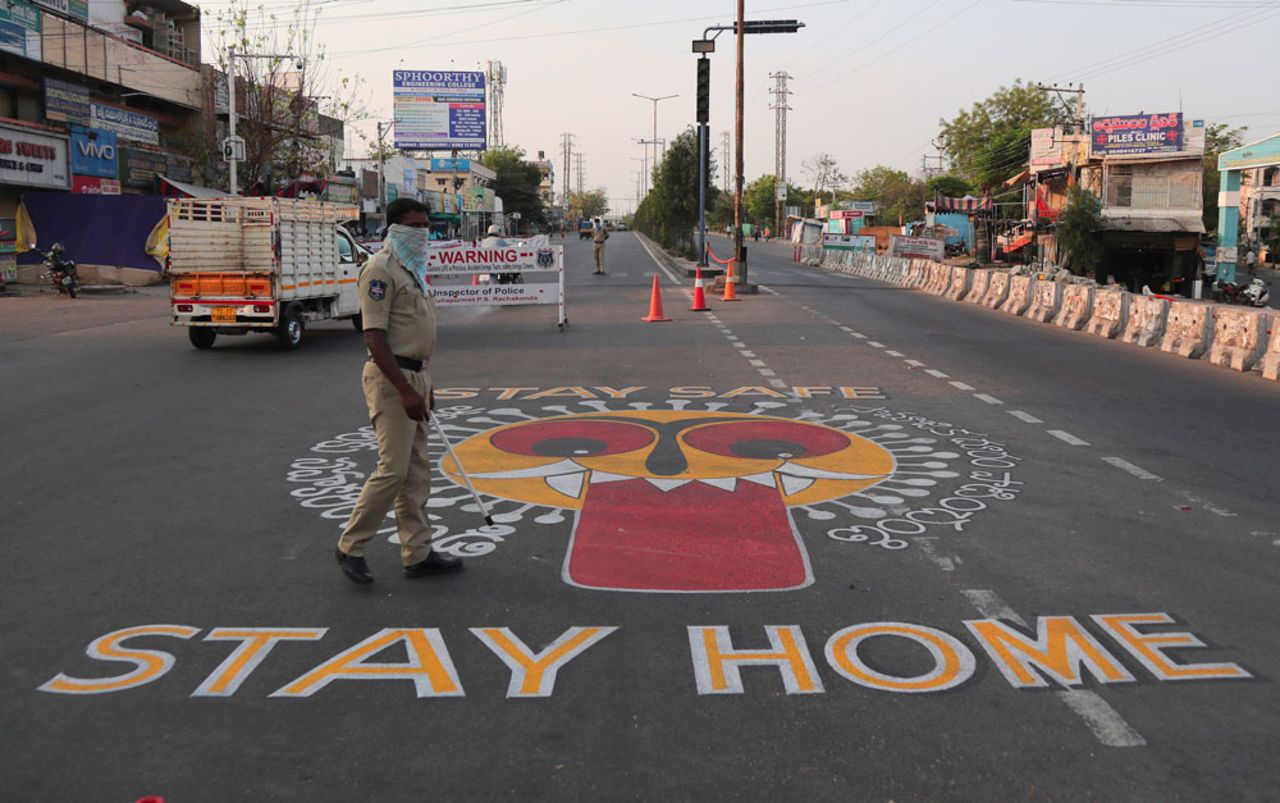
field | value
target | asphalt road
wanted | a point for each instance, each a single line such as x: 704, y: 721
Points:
x: 734, y: 558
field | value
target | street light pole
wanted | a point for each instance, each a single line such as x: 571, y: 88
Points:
x: 741, y: 273
x: 655, y: 121
x: 232, y: 55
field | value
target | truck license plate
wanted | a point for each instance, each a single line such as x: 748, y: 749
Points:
x: 224, y: 314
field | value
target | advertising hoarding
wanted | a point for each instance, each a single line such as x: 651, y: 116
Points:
x: 92, y: 185
x: 1046, y: 149
x: 438, y: 110
x: 139, y: 168
x: 94, y: 153
x: 924, y: 247
x: 1124, y: 135
x: 450, y: 165
x: 126, y: 123
x: 33, y: 160
x: 66, y: 102
x: 20, y: 26
x: 846, y: 214
x: 849, y: 242
x: 70, y: 8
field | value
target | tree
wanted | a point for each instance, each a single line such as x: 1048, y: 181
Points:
x: 949, y: 185
x: 669, y: 213
x: 1218, y: 137
x: 991, y: 141
x: 279, y: 100
x: 896, y: 194
x: 759, y: 201
x: 825, y: 174
x: 1079, y: 247
x: 591, y: 203
x: 516, y: 183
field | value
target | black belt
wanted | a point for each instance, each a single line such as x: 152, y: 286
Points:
x: 407, y: 363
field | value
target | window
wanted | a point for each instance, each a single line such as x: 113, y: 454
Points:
x: 1162, y: 185
x: 345, y: 251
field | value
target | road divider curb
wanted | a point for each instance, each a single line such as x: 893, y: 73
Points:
x: 1077, y: 306
x: 978, y: 285
x: 1110, y: 312
x: 958, y: 284
x: 1147, y: 318
x: 1189, y: 329
x: 1019, y: 300
x: 1271, y: 358
x: 1239, y: 337
x: 1046, y: 298
x: 997, y: 289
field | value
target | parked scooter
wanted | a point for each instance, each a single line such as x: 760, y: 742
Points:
x: 1254, y: 294
x: 61, y: 273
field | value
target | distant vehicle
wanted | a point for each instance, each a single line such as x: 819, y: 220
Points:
x: 270, y: 265
x: 620, y: 226
x: 60, y: 273
x: 584, y: 229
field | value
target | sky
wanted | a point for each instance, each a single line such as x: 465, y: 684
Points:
x: 870, y: 78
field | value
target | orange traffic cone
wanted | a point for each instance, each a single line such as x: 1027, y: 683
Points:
x: 730, y: 294
x: 656, y: 315
x: 699, y: 295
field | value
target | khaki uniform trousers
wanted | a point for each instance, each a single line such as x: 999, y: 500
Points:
x: 403, y: 476
x: 599, y: 254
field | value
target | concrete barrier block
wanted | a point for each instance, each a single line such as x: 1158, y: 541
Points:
x: 1271, y: 357
x: 1239, y: 337
x: 1019, y: 300
x: 940, y: 279
x: 1077, y: 306
x: 958, y: 286
x: 1147, y: 318
x: 1046, y: 298
x: 1110, y: 313
x: 997, y: 289
x: 1188, y: 330
x: 978, y: 284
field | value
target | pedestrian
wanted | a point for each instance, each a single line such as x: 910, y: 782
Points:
x: 598, y: 235
x: 399, y: 320
x: 1251, y: 262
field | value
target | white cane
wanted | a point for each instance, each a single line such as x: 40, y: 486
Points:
x: 449, y: 448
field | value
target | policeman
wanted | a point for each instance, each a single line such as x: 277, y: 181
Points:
x: 598, y: 235
x: 399, y: 317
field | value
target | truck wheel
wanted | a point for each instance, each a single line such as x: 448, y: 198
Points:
x: 357, y: 321
x: 291, y: 330
x: 201, y: 337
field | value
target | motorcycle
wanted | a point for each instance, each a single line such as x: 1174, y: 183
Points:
x: 60, y: 273
x: 1254, y: 294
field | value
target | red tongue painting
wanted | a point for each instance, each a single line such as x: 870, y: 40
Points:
x: 631, y: 536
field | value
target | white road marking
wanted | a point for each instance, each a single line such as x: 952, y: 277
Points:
x: 756, y: 363
x: 1137, y: 471
x: 1068, y: 438
x: 914, y: 363
x: 778, y: 383
x: 989, y: 399
x: 873, y: 344
x: 860, y: 335
x: 936, y: 373
x: 770, y: 290
x: 894, y: 353
x: 768, y: 372
x: 1027, y: 417
x: 1103, y: 721
x: 846, y: 330
x: 748, y: 354
x: 927, y: 546
x: 1207, y: 505
x: 961, y: 385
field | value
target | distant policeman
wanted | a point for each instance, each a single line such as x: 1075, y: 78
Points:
x: 399, y: 317
x: 598, y: 235
x: 494, y: 238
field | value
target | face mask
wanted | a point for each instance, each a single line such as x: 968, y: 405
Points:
x: 409, y: 246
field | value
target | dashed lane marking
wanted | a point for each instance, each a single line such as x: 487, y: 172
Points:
x: 777, y: 383
x: 989, y: 399
x: 894, y: 353
x: 748, y: 354
x: 768, y: 372
x: 1103, y: 721
x: 860, y: 335
x: 962, y: 386
x: 875, y: 345
x: 934, y: 372
x: 756, y: 363
x: 1025, y: 417
x: 914, y: 363
x: 1068, y: 438
x: 928, y: 546
x: 1137, y: 471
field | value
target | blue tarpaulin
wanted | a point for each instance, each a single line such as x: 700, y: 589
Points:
x: 109, y: 230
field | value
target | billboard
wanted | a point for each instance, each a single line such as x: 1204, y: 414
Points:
x: 32, y: 159
x: 66, y: 103
x: 1046, y: 149
x: 93, y: 153
x: 1136, y: 134
x: 438, y: 110
x: 20, y: 26
x: 126, y: 123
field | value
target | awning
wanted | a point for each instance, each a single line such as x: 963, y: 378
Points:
x: 178, y: 189
x: 1018, y: 179
x: 968, y: 204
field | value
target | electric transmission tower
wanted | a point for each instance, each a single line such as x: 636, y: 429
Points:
x: 578, y: 165
x: 781, y: 108
x: 566, y: 147
x: 496, y: 74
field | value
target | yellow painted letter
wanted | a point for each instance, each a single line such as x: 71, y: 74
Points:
x: 534, y: 674
x: 255, y: 644
x: 148, y: 665
x: 953, y: 663
x: 1060, y: 650
x: 1149, y: 648
x: 716, y: 663
x: 429, y: 665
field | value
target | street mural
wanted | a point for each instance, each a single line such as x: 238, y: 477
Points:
x: 686, y: 495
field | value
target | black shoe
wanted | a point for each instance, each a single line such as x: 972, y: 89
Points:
x: 434, y: 564
x: 599, y: 273
x: 356, y: 570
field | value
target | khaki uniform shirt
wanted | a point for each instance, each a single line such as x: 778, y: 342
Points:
x: 599, y: 235
x: 391, y: 301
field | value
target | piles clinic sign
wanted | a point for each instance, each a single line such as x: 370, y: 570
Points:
x: 1136, y: 134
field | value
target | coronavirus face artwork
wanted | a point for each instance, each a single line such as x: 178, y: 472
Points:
x: 676, y: 501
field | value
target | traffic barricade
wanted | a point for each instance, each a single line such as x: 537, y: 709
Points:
x: 1077, y: 306
x: 1147, y: 318
x: 1110, y: 312
x: 978, y: 285
x: 997, y: 289
x: 512, y: 260
x: 1188, y: 329
x: 1046, y: 298
x: 1239, y: 337
x: 959, y: 284
x: 1271, y: 357
x: 1020, y: 289
x: 939, y: 279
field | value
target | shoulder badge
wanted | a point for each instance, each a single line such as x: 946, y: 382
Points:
x: 377, y: 289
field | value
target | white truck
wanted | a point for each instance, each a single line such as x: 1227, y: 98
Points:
x: 271, y: 265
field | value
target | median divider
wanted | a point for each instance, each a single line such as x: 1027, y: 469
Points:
x: 978, y: 284
x: 1077, y: 306
x: 997, y: 289
x: 1110, y: 312
x: 1239, y: 337
x: 1188, y: 331
x: 1020, y: 288
x: 939, y: 279
x: 1046, y: 298
x: 959, y: 283
x: 1271, y: 358
x: 1147, y: 318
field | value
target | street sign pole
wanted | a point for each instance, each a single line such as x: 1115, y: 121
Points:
x: 702, y: 194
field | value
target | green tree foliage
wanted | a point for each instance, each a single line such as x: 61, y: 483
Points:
x: 1218, y: 137
x: 949, y: 185
x: 991, y: 141
x: 1079, y: 246
x: 591, y: 203
x: 516, y: 184
x: 759, y: 202
x: 669, y: 213
x: 896, y: 193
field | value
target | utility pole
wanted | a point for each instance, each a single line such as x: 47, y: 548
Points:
x: 566, y: 145
x: 726, y: 149
x: 655, y: 102
x: 740, y: 30
x: 382, y: 168
x: 781, y: 108
x: 648, y: 171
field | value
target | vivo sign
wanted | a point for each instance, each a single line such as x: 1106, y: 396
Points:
x: 94, y: 153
